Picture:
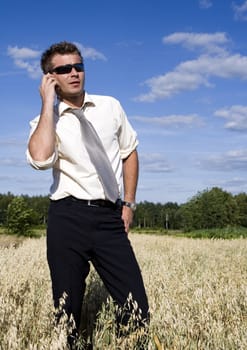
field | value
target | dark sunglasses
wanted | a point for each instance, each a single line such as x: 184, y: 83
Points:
x: 67, y: 68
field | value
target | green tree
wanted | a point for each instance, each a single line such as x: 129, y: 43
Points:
x: 5, y: 199
x: 150, y: 215
x: 170, y: 219
x: 241, y: 200
x: 213, y: 208
x: 146, y: 215
x: 39, y: 205
x: 19, y: 217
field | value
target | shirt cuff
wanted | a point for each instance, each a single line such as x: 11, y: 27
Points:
x: 42, y: 165
x: 125, y: 153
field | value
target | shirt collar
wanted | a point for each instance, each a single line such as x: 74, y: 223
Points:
x: 61, y: 106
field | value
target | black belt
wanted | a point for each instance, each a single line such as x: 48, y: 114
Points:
x: 96, y: 202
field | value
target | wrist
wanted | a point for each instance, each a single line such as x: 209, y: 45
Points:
x: 128, y: 204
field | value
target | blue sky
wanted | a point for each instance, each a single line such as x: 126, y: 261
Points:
x: 178, y: 67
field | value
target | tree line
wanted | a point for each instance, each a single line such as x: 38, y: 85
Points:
x: 211, y: 208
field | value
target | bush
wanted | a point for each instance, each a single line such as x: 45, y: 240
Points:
x: 19, y: 217
x: 224, y: 233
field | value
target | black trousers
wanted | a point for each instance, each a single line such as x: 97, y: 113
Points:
x: 77, y: 234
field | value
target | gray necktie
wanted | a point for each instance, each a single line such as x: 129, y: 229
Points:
x: 98, y: 156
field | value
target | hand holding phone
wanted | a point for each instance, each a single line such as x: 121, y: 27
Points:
x: 48, y: 88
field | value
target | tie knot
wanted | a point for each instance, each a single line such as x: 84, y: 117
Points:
x: 77, y: 112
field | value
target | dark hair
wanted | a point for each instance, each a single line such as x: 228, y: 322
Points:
x: 61, y: 48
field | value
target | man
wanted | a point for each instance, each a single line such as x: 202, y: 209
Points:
x: 83, y: 223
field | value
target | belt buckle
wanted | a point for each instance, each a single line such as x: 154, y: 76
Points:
x: 90, y: 203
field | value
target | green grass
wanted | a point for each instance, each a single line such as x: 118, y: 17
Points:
x: 215, y: 233
x: 35, y: 231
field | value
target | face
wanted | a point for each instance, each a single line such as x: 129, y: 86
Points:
x: 70, y: 86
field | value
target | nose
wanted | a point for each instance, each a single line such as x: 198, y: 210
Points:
x: 74, y: 71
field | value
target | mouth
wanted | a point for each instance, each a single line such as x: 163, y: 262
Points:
x: 75, y: 83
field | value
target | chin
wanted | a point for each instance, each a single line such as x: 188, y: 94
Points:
x: 75, y: 93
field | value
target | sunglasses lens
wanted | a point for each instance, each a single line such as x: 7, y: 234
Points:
x: 79, y: 67
x: 63, y: 69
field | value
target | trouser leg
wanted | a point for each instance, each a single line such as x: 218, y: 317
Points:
x: 116, y: 263
x: 67, y: 258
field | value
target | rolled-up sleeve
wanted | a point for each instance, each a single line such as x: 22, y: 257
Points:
x: 127, y: 136
x: 46, y: 164
x: 40, y: 165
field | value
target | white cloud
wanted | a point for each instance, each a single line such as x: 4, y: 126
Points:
x: 25, y: 58
x: 235, y: 160
x: 210, y: 43
x: 171, y: 120
x: 192, y: 74
x: 171, y: 83
x: 90, y: 52
x: 227, y: 66
x: 236, y: 117
x: 22, y: 53
x: 154, y: 163
x: 234, y: 185
x: 240, y: 11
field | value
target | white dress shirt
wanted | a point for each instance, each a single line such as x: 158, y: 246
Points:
x: 73, y: 172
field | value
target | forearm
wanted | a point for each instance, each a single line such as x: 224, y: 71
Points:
x: 130, y: 179
x: 42, y: 142
x: 130, y: 176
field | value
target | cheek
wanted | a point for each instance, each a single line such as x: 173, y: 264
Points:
x: 60, y: 82
x: 62, y: 86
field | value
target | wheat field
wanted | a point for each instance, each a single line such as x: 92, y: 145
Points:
x: 197, y: 292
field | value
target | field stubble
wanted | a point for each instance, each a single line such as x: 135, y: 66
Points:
x: 197, y: 292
